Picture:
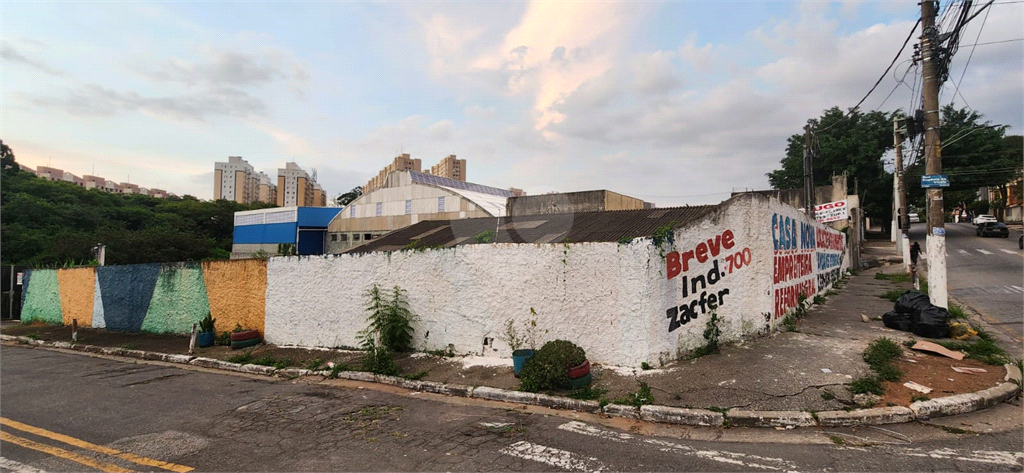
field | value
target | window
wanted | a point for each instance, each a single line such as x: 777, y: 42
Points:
x: 344, y: 237
x: 440, y: 204
x: 352, y: 211
x: 355, y: 237
x: 408, y: 207
x: 334, y: 237
x: 368, y: 236
x: 380, y: 208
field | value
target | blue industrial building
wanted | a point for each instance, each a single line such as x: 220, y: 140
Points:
x: 305, y: 228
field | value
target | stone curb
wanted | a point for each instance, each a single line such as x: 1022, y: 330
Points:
x: 785, y: 419
x: 873, y: 416
x: 921, y: 410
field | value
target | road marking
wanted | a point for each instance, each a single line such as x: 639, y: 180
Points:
x: 560, y: 459
x: 742, y: 460
x: 17, y: 467
x: 963, y: 252
x: 984, y: 252
x: 1009, y: 252
x: 96, y: 448
x: 61, y: 453
x: 978, y: 456
x: 1015, y: 289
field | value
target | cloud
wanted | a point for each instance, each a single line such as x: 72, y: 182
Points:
x: 96, y: 100
x: 8, y: 53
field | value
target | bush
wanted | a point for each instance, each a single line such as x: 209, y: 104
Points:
x: 549, y: 367
x: 881, y: 351
x: 390, y: 318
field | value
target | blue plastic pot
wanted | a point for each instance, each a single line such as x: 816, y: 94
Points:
x: 205, y: 339
x: 519, y: 358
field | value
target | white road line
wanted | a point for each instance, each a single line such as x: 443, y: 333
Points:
x: 1018, y: 288
x: 963, y: 252
x: 978, y: 456
x: 552, y: 456
x: 984, y: 252
x: 17, y: 467
x: 1009, y: 252
x: 733, y: 458
x: 1013, y: 289
x: 495, y: 425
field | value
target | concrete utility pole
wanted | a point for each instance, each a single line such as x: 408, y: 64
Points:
x: 901, y: 196
x: 936, y: 240
x: 808, y: 172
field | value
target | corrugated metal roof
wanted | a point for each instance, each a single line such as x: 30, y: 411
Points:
x: 608, y: 226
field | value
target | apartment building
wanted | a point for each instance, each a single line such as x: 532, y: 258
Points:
x: 451, y: 168
x: 94, y: 182
x: 402, y: 162
x: 235, y: 180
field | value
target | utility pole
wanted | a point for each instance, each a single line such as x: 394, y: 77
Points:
x: 808, y: 172
x: 903, y: 244
x: 936, y: 239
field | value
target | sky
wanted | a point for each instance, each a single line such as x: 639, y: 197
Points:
x: 673, y: 102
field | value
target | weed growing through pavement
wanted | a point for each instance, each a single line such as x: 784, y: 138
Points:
x: 984, y: 350
x: 646, y: 366
x: 314, y: 364
x: 956, y: 312
x: 894, y: 277
x: 879, y: 355
x: 892, y: 294
x: 636, y: 399
x: 827, y: 395
x: 919, y: 397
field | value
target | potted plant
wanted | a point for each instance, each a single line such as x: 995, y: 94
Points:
x: 206, y: 334
x: 516, y: 341
x: 559, y: 364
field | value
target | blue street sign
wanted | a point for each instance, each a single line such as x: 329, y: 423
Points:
x: 935, y: 180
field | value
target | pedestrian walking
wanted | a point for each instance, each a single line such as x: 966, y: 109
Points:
x: 915, y: 251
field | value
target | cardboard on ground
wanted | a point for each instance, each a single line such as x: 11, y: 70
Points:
x: 938, y: 349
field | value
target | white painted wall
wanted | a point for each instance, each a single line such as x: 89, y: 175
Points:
x: 611, y: 299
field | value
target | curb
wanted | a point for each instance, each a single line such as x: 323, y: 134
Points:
x: 920, y: 410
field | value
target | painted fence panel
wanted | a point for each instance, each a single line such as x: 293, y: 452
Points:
x: 237, y: 292
x: 76, y: 287
x: 179, y: 299
x: 126, y: 292
x: 42, y: 297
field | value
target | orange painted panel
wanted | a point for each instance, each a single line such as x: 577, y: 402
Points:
x: 77, y: 286
x: 237, y: 291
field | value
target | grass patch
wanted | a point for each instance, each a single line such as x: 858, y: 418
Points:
x: 827, y: 395
x: 642, y: 396
x: 819, y: 299
x: 837, y: 440
x: 919, y: 397
x: 882, y: 351
x: 894, y: 277
x: 314, y: 365
x: 789, y: 322
x: 338, y: 368
x: 241, y: 358
x: 866, y: 385
x: 416, y: 376
x: 956, y: 312
x: 892, y: 294
x: 984, y: 350
x: 271, y: 361
x: 955, y: 430
x: 646, y: 366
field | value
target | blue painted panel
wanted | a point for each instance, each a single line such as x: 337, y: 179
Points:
x: 126, y: 291
x: 269, y: 233
x: 311, y: 242
x: 317, y: 216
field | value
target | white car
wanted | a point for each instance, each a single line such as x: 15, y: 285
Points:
x: 914, y: 218
x: 984, y: 218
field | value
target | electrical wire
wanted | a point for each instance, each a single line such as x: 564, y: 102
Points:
x: 956, y: 85
x: 882, y: 77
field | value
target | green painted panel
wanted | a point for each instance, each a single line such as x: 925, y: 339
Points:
x: 179, y: 299
x: 42, y: 298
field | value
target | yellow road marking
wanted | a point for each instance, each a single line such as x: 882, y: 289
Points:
x: 96, y: 448
x: 60, y: 452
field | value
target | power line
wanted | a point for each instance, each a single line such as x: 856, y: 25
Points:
x: 882, y: 77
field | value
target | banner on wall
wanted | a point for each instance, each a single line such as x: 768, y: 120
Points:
x: 831, y: 211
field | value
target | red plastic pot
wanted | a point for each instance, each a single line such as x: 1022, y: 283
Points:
x: 580, y: 370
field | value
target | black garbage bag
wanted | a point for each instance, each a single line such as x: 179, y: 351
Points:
x: 932, y: 322
x: 912, y: 302
x: 897, y: 321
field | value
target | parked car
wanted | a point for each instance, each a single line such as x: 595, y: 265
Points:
x: 993, y: 229
x: 914, y: 218
x: 1020, y: 242
x: 983, y: 218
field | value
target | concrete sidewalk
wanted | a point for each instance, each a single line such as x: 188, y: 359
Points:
x: 787, y: 379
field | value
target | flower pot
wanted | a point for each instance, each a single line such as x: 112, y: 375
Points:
x: 244, y: 335
x: 205, y: 339
x: 580, y: 370
x: 581, y: 382
x: 519, y: 358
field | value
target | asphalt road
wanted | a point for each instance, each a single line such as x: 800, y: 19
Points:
x: 987, y: 274
x: 67, y: 411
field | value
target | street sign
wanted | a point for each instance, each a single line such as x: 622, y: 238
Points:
x: 934, y: 180
x: 831, y: 211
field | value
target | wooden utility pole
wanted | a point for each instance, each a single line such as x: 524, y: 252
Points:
x: 808, y: 172
x: 901, y: 195
x: 936, y: 239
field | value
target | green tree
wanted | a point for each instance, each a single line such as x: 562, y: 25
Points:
x: 7, y: 162
x: 346, y: 198
x: 853, y: 143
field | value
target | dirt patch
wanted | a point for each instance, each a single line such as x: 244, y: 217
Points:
x: 936, y: 372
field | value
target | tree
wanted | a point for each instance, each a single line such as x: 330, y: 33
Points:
x: 7, y: 163
x: 348, y: 197
x: 853, y: 143
x: 975, y: 154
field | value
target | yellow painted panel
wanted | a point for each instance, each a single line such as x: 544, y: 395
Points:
x: 237, y: 291
x: 77, y: 287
